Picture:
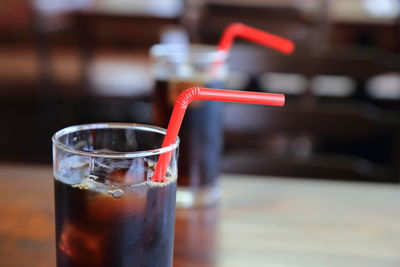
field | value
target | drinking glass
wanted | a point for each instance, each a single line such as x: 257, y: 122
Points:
x: 178, y: 67
x: 109, y: 211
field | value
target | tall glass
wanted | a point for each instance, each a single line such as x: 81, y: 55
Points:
x: 176, y: 68
x: 109, y: 212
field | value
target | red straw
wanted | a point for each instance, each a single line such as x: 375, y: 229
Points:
x: 196, y: 93
x: 237, y: 29
x: 275, y: 42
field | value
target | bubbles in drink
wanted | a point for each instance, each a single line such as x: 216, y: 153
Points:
x: 107, y: 203
x: 117, y: 193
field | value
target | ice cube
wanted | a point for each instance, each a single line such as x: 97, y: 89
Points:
x: 82, y: 245
x: 72, y: 169
x: 118, y: 171
x: 137, y: 172
x: 99, y: 169
x: 73, y: 162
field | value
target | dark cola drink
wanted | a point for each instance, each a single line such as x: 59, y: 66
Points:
x: 106, y: 221
x: 109, y: 210
x: 201, y: 140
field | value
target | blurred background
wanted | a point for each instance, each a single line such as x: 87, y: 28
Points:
x: 65, y: 62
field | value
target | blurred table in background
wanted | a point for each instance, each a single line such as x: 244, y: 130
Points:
x: 260, y: 222
x: 91, y: 64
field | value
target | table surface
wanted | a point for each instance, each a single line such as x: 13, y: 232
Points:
x: 261, y: 221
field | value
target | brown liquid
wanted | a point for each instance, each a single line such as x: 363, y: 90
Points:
x: 200, y: 134
x: 98, y: 230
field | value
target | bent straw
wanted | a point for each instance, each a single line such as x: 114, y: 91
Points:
x: 197, y: 93
x: 237, y: 29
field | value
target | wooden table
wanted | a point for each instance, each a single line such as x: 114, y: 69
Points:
x: 262, y: 221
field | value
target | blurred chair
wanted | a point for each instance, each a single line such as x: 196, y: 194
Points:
x: 93, y: 26
x: 116, y: 70
x: 133, y: 33
x: 350, y: 137
x: 366, y: 23
x: 52, y: 26
x: 93, y: 62
x: 356, y: 64
x: 345, y: 142
x: 14, y: 18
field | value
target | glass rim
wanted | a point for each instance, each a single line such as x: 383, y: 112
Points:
x: 113, y: 125
x: 166, y: 50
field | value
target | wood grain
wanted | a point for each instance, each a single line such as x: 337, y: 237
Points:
x: 26, y: 216
x: 261, y: 221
